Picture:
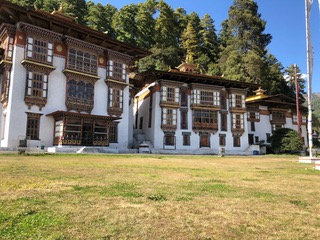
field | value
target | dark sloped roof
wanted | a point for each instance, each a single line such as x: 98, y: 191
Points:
x: 153, y: 75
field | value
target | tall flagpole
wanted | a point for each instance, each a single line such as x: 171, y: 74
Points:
x: 308, y: 4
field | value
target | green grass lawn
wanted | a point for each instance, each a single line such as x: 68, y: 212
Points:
x: 158, y: 197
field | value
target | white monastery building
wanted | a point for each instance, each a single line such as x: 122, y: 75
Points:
x: 66, y: 86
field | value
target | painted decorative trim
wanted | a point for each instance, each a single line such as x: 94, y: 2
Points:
x: 70, y: 41
x: 84, y: 76
x: 33, y: 30
x: 35, y: 65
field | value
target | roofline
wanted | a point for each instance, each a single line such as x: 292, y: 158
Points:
x: 153, y: 75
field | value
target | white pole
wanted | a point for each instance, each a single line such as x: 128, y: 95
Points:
x: 308, y: 4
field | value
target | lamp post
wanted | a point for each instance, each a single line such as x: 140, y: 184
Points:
x: 297, y: 100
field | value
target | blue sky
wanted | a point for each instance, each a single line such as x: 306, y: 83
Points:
x: 285, y: 22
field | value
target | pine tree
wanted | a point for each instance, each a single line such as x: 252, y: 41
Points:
x: 292, y: 74
x: 244, y: 43
x: 190, y: 43
x: 77, y: 9
x: 209, y: 46
x: 146, y: 24
x: 165, y: 27
x: 124, y: 24
x: 100, y: 17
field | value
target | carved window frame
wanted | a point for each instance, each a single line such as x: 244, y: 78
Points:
x: 6, y: 76
x: 169, y: 117
x: 39, y: 50
x: 82, y: 60
x: 33, y: 126
x: 79, y: 95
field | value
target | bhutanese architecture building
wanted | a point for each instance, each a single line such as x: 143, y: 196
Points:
x: 185, y: 112
x: 265, y: 114
x: 62, y: 84
x: 66, y: 86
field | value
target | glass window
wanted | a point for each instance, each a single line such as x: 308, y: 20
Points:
x: 82, y: 61
x: 236, y: 141
x: 169, y: 116
x: 222, y: 140
x: 37, y: 84
x: 117, y: 70
x: 33, y: 123
x: 186, y: 139
x: 113, y: 132
x: 169, y: 139
x: 184, y: 118
x: 39, y: 50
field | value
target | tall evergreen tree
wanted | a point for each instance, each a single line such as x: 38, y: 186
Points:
x: 292, y: 74
x: 165, y: 27
x: 77, y: 9
x: 182, y: 22
x: 124, y: 24
x: 100, y: 17
x: 209, y: 46
x: 146, y: 24
x: 245, y: 43
x: 190, y: 43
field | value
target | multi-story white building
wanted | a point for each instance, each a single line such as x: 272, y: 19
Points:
x: 268, y: 113
x: 185, y: 112
x: 195, y: 113
x: 62, y: 83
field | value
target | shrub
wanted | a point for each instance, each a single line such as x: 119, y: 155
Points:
x: 286, y: 140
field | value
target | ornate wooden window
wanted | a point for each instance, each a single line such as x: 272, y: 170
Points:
x: 36, y: 88
x: 205, y: 97
x: 223, y: 100
x: 237, y: 121
x: 278, y: 117
x: 237, y: 101
x: 79, y: 95
x: 251, y: 139
x: 224, y: 121
x: 117, y: 70
x: 115, y: 101
x: 184, y: 97
x: 169, y: 139
x: 37, y: 84
x: 253, y: 126
x: 204, y: 139
x: 236, y: 141
x: 33, y: 125
x: 276, y: 127
x: 253, y: 116
x: 5, y: 87
x: 82, y: 61
x: 184, y: 118
x: 170, y: 94
x: 39, y: 50
x: 186, y: 138
x: 113, y: 132
x: 222, y: 140
x: 6, y: 49
x: 205, y: 120
x: 150, y: 110
x: 169, y: 118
